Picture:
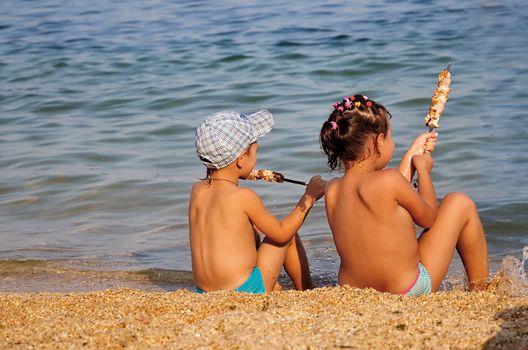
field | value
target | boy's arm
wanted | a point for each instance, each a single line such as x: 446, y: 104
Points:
x: 282, y: 231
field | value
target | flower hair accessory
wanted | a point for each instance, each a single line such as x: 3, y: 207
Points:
x: 351, y: 102
x: 333, y: 125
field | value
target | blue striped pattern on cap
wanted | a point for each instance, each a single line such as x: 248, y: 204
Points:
x: 223, y: 136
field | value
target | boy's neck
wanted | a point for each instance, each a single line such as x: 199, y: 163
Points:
x: 220, y: 179
x: 224, y: 175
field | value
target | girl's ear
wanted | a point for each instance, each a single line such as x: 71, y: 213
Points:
x: 380, y: 140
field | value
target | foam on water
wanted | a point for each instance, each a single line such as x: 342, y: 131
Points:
x: 511, y: 278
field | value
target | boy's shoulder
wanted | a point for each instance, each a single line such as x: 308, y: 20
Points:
x: 243, y: 192
x: 247, y: 193
x: 198, y: 186
x: 332, y: 185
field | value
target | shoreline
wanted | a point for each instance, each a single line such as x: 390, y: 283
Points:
x: 327, y: 317
x: 80, y: 275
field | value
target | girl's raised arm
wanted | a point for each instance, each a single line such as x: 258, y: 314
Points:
x: 421, y: 209
x: 425, y: 142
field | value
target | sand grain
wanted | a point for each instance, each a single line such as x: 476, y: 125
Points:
x: 321, y: 318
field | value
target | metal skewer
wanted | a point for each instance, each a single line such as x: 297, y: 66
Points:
x: 294, y: 181
x: 279, y: 178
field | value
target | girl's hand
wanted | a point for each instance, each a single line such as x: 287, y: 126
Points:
x: 423, y: 162
x: 315, y: 188
x: 425, y: 143
x: 430, y: 142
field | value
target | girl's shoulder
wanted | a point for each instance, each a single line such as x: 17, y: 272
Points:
x: 388, y: 174
x: 383, y: 179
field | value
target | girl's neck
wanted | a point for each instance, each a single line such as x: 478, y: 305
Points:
x: 364, y: 167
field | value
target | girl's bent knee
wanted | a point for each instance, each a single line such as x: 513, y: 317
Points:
x: 462, y: 200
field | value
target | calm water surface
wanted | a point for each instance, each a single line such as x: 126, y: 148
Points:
x: 99, y: 101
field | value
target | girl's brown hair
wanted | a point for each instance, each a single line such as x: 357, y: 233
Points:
x: 351, y: 125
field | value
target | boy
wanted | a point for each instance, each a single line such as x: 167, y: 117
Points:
x: 223, y: 217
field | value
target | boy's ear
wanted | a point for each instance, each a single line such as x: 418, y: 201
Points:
x: 241, y: 160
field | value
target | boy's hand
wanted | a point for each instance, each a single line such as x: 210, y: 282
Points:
x: 423, y: 162
x: 315, y: 188
x: 425, y: 143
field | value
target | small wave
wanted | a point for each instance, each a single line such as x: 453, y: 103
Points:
x: 57, y: 107
x: 510, y: 280
x: 235, y: 58
x: 20, y: 201
x: 75, y: 276
x: 167, y: 276
x: 288, y: 43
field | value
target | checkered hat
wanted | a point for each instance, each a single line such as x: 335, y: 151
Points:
x: 223, y: 136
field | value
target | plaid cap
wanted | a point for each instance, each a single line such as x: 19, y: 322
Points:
x: 223, y: 136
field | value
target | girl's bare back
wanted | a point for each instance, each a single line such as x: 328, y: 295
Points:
x: 374, y: 236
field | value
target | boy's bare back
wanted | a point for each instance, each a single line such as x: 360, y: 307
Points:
x: 221, y: 236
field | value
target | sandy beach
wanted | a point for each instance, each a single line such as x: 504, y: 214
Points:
x: 329, y: 317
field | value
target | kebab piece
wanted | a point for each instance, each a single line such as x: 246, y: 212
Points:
x: 439, y: 99
x: 271, y: 176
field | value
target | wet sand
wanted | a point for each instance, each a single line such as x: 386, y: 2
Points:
x: 329, y: 317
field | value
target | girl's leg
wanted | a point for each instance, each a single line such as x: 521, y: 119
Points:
x: 296, y: 264
x: 457, y: 226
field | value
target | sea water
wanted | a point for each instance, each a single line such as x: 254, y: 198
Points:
x: 99, y: 102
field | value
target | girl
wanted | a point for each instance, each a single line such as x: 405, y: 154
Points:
x: 372, y: 210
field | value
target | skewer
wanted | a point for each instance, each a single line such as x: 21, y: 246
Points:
x: 448, y: 69
x: 294, y: 181
x: 428, y: 121
x: 272, y: 176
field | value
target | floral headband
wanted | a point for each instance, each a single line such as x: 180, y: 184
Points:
x: 350, y: 102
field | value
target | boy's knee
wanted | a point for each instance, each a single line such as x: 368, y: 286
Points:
x: 462, y: 200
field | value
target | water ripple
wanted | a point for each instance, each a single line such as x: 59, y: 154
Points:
x: 99, y: 104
